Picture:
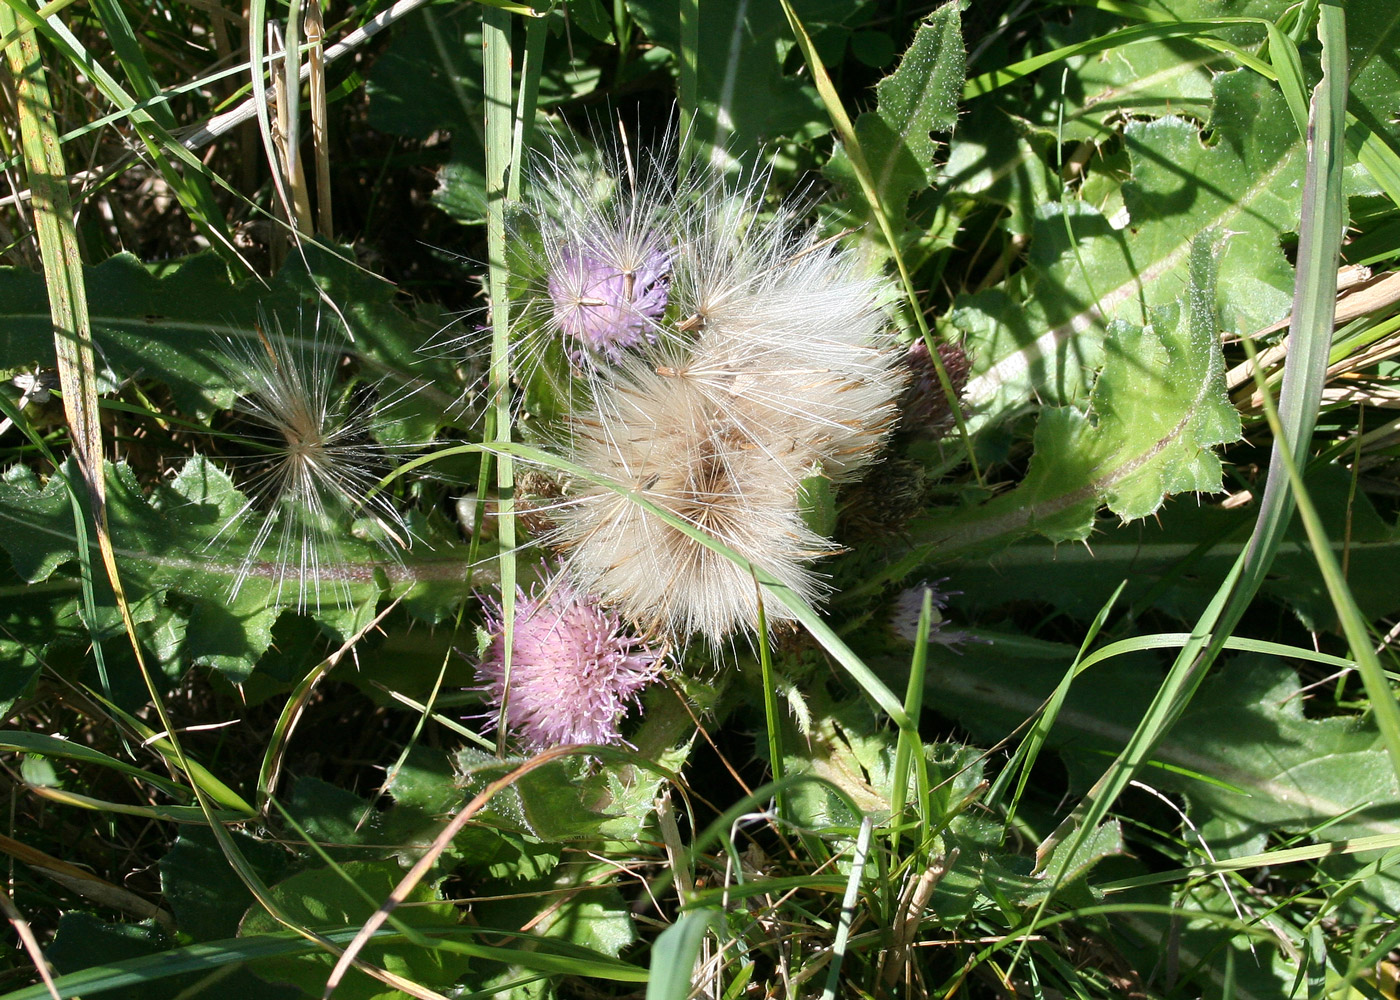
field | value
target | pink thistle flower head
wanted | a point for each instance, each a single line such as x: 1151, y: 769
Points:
x: 606, y: 302
x: 574, y: 670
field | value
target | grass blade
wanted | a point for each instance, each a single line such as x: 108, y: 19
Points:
x: 674, y: 953
x: 495, y: 40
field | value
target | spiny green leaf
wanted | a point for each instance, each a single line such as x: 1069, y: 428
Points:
x: 1173, y: 562
x: 1150, y: 78
x: 1158, y: 407
x: 1040, y: 335
x: 326, y: 899
x: 1373, y: 35
x: 919, y: 98
x: 203, y: 891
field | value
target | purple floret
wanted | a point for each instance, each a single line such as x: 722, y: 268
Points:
x: 574, y: 670
x: 910, y: 604
x: 604, y: 307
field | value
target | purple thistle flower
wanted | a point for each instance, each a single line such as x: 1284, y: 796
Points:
x: 605, y: 305
x: 910, y: 604
x: 574, y: 671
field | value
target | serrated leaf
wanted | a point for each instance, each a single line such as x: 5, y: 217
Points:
x: 1062, y: 867
x: 1191, y: 547
x: 1373, y: 34
x: 1158, y: 407
x: 19, y: 666
x: 1215, y: 964
x: 82, y: 941
x: 918, y: 99
x: 590, y: 16
x: 1087, y: 96
x: 203, y: 891
x: 847, y: 745
x: 816, y: 502
x: 1040, y: 336
x: 461, y: 190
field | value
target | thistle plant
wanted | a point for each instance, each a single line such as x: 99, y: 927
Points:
x: 723, y: 357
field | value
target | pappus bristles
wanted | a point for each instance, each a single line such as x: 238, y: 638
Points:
x: 705, y: 466
x: 314, y: 469
x: 807, y: 339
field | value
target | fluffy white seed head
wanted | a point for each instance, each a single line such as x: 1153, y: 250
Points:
x: 316, y: 470
x: 727, y: 472
x: 806, y: 343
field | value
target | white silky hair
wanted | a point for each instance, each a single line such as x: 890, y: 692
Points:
x: 717, y: 470
x: 320, y: 470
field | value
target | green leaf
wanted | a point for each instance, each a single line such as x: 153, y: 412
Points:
x: 1373, y: 35
x: 334, y: 817
x: 1062, y: 869
x: 675, y: 951
x: 173, y: 325
x: 189, y: 537
x: 746, y: 100
x: 83, y: 941
x: 816, y: 502
x: 1041, y: 333
x: 590, y: 16
x: 1173, y: 562
x: 1087, y: 96
x: 919, y: 98
x: 1158, y: 407
x: 428, y: 78
x: 846, y: 745
x: 1247, y: 758
x: 201, y: 888
x: 19, y: 666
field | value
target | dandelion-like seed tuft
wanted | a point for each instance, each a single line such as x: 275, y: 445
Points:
x: 314, y: 472
x: 776, y: 363
x: 574, y: 669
